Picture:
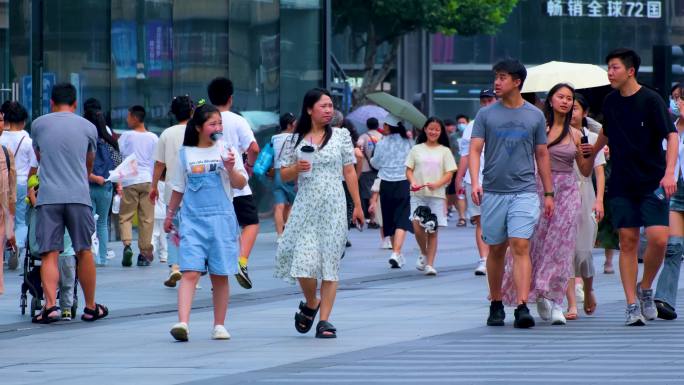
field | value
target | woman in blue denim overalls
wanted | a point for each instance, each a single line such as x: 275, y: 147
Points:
x: 208, y: 227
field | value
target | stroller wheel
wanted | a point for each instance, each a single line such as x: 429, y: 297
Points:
x: 23, y: 303
x: 35, y: 306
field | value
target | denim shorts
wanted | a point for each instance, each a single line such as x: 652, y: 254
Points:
x: 507, y: 216
x: 283, y: 192
x: 677, y: 200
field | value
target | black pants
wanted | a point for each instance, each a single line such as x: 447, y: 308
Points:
x: 395, y: 200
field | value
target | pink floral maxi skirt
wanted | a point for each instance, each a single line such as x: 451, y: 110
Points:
x: 552, y: 247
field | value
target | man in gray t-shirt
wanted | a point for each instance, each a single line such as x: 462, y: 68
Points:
x: 65, y: 145
x: 512, y: 136
x: 514, y: 132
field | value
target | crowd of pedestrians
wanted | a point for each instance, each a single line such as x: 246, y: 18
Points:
x: 532, y: 181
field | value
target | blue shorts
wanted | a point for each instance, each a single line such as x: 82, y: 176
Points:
x: 507, y: 216
x: 283, y: 192
x: 677, y: 200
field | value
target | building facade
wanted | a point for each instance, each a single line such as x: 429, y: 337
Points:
x: 126, y: 52
x: 449, y: 71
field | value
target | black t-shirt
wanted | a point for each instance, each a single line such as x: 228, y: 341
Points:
x: 636, y: 126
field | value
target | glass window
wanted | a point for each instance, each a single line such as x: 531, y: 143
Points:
x: 200, y: 45
x: 76, y: 49
x: 301, y: 48
x: 142, y: 56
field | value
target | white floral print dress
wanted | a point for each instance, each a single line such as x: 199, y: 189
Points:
x: 316, y: 231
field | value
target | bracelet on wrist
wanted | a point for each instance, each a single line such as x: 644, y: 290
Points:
x: 549, y: 194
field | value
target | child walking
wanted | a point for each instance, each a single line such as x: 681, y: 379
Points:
x: 429, y: 167
x: 207, y: 174
x: 66, y: 262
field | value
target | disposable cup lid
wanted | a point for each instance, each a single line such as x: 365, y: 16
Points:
x: 307, y: 148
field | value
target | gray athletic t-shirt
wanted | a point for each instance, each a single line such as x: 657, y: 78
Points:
x: 63, y: 140
x: 510, y: 135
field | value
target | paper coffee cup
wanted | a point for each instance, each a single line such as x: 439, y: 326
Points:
x: 306, y: 153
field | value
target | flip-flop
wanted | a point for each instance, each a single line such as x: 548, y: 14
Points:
x: 570, y: 316
x: 589, y: 310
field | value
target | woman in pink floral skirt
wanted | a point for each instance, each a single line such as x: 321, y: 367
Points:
x: 552, y: 247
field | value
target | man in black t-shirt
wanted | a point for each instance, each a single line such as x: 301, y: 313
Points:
x: 642, y: 178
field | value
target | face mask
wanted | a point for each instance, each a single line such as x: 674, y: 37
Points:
x: 461, y: 126
x: 674, y: 107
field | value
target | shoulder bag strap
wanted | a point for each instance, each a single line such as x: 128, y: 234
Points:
x: 19, y: 145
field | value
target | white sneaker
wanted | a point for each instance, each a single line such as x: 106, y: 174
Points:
x: 544, y: 308
x: 220, y: 333
x: 557, y: 317
x: 429, y: 270
x: 110, y: 254
x: 386, y: 244
x: 163, y: 260
x: 420, y: 263
x: 579, y: 293
x: 481, y: 268
x: 180, y: 331
x: 396, y: 261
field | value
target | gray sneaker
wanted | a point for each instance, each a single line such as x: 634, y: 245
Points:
x: 648, y: 307
x: 633, y: 316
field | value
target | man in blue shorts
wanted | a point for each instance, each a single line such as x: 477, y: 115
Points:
x: 514, y: 132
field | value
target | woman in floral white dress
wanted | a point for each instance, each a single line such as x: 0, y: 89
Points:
x: 316, y: 232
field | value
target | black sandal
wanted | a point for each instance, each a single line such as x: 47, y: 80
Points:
x: 461, y: 222
x: 45, y: 316
x: 325, y: 329
x: 94, y: 313
x: 304, y: 319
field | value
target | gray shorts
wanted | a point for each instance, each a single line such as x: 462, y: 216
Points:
x: 473, y: 209
x: 53, y: 219
x: 507, y: 216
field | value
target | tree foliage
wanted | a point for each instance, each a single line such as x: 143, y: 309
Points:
x: 373, y: 23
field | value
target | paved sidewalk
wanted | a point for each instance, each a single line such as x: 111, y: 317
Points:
x: 394, y: 327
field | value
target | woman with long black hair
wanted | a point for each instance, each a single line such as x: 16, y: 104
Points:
x: 316, y: 232
x: 429, y: 167
x: 101, y: 190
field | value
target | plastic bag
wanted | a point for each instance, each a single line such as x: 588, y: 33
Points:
x: 126, y: 170
x: 95, y: 245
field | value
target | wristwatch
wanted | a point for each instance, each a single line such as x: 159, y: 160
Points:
x: 549, y: 194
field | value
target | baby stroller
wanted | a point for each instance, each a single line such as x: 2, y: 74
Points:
x: 31, y: 272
